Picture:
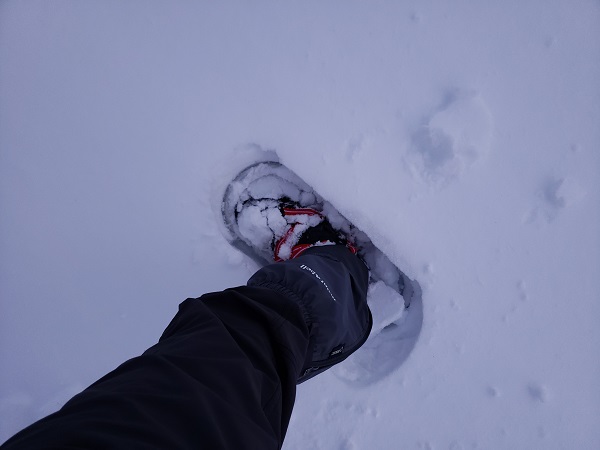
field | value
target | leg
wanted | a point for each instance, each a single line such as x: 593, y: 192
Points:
x: 224, y: 373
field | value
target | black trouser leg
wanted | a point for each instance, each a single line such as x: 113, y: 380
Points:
x: 223, y: 374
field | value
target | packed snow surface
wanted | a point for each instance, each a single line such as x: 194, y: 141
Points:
x: 462, y: 137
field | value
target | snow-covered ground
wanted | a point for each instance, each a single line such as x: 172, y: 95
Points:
x: 463, y: 136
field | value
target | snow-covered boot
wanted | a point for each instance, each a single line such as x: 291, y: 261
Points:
x: 311, y: 263
x: 271, y: 214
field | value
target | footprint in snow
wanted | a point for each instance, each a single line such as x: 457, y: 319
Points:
x: 554, y: 195
x: 451, y: 140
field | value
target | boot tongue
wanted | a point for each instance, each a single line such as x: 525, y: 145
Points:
x: 301, y: 237
x: 322, y: 232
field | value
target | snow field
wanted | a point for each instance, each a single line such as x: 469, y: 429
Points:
x: 463, y: 137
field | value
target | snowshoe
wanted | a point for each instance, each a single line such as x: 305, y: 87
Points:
x: 258, y: 192
x: 267, y: 190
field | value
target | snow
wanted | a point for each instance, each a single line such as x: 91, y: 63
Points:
x: 461, y: 136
